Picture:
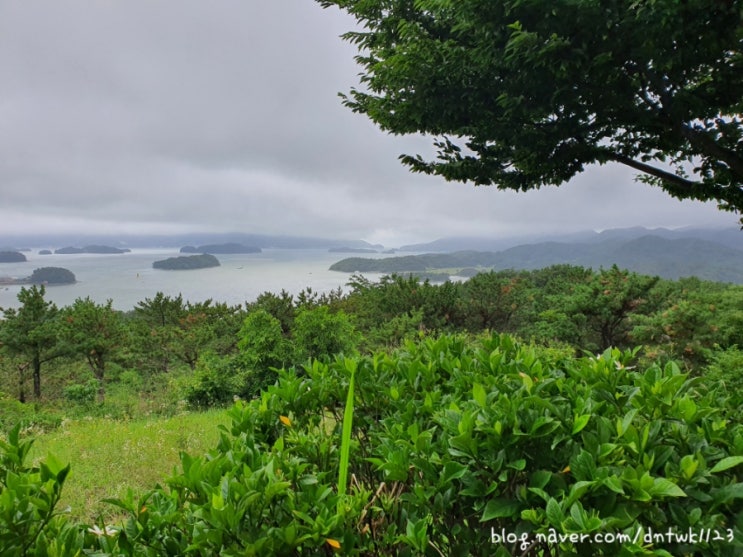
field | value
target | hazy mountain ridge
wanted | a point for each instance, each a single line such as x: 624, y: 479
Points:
x: 650, y: 254
x: 730, y: 237
x: 264, y: 241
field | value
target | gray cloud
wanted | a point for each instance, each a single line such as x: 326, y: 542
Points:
x: 164, y: 116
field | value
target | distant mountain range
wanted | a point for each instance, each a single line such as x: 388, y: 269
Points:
x: 230, y: 247
x: 709, y: 255
x: 264, y: 241
x: 731, y: 237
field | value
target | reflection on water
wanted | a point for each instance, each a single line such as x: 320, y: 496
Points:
x: 129, y: 278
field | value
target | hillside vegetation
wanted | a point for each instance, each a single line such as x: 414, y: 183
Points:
x: 514, y: 413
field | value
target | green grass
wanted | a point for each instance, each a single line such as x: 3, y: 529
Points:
x: 108, y: 457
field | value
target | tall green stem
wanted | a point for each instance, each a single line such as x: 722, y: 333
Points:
x: 346, y: 434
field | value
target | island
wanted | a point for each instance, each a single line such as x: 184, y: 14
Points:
x: 45, y: 252
x: 12, y: 257
x: 221, y: 248
x: 52, y: 275
x: 405, y: 263
x: 44, y: 275
x: 187, y: 262
x: 91, y: 249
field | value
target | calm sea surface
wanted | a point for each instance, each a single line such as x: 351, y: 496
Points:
x: 129, y: 278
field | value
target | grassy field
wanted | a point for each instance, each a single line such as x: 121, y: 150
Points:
x: 110, y: 456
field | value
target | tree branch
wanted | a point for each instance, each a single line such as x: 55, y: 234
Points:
x: 683, y: 185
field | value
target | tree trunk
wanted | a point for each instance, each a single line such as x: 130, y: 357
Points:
x: 37, y: 376
x: 98, y: 367
x: 22, y: 382
x: 101, y: 395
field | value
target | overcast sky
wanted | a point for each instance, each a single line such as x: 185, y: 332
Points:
x: 172, y: 116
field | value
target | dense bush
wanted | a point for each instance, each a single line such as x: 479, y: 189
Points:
x: 726, y: 371
x: 456, y: 445
x: 26, y: 416
x: 29, y: 523
x: 688, y: 321
x: 318, y: 333
x: 82, y: 393
x: 216, y: 382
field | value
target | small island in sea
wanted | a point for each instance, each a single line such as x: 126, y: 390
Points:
x: 44, y: 275
x: 187, y: 262
x: 12, y: 257
x: 91, y: 249
x: 227, y: 248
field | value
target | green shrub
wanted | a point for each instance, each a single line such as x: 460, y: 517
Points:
x: 82, y: 393
x: 318, y: 333
x: 725, y: 373
x: 216, y: 382
x: 29, y: 523
x: 27, y: 416
x: 131, y: 379
x: 457, y: 447
x: 453, y: 444
x: 262, y: 343
x: 263, y: 348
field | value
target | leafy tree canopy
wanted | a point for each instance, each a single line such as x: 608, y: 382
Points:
x: 30, y: 332
x: 526, y: 93
x: 95, y: 331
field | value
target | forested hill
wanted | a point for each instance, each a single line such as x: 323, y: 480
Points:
x: 649, y: 254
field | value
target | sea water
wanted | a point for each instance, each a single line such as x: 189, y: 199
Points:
x: 129, y: 278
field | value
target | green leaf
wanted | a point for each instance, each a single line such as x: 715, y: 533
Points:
x: 453, y: 471
x: 479, y: 395
x: 689, y: 465
x: 624, y: 423
x: 727, y: 463
x: 578, y: 489
x: 615, y: 484
x: 665, y: 488
x: 728, y: 493
x: 519, y: 464
x: 580, y: 422
x: 217, y: 501
x: 554, y: 513
x: 543, y: 426
x: 687, y: 408
x: 694, y: 515
x: 578, y: 515
x: 500, y: 508
x: 540, y: 478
